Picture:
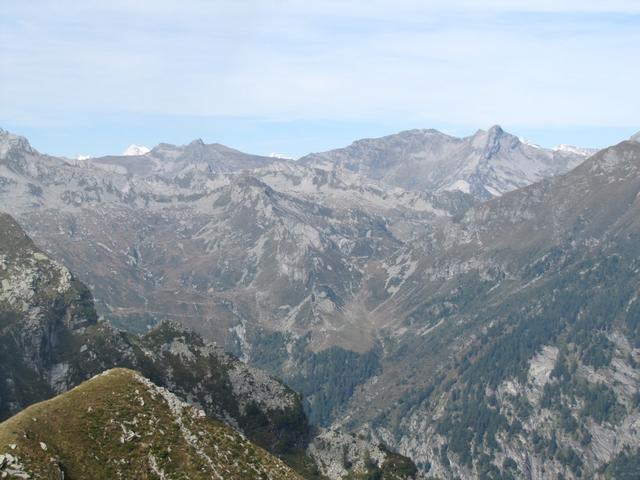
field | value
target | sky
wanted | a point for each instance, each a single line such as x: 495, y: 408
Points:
x: 294, y: 77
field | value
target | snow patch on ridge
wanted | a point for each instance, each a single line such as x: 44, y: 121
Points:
x: 459, y: 185
x: 280, y: 156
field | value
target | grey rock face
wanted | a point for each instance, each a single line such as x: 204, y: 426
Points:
x: 340, y: 455
x: 11, y: 145
x: 11, y: 467
x: 303, y: 244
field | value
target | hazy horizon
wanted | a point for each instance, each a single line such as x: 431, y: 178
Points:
x: 293, y: 78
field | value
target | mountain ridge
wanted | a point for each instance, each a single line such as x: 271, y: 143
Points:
x: 119, y: 423
x: 485, y: 164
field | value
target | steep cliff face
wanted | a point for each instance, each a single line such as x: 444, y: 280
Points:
x: 427, y: 320
x: 40, y: 301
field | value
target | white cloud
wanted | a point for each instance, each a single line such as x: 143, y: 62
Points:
x: 459, y: 61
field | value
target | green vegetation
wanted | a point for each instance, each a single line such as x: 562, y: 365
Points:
x: 269, y: 349
x: 624, y: 467
x: 598, y: 351
x: 470, y: 420
x: 396, y: 467
x: 195, y: 370
x: 580, y: 300
x: 118, y: 426
x: 599, y: 401
x: 568, y: 457
x: 552, y: 312
x: 328, y: 379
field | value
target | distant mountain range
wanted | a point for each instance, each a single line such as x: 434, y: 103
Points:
x: 486, y: 164
x: 467, y: 301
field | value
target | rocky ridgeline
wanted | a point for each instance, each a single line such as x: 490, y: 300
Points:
x: 484, y: 165
x: 136, y: 430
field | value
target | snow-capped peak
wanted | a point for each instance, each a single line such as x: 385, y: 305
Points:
x: 83, y: 157
x: 133, y: 150
x: 280, y: 156
x: 529, y: 143
x: 585, y: 152
x: 459, y: 185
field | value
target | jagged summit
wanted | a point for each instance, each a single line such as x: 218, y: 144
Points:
x: 171, y: 161
x: 11, y: 144
x: 327, y: 273
x: 494, y: 130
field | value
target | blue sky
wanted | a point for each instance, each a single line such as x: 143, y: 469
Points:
x: 297, y: 76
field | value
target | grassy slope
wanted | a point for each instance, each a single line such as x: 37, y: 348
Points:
x: 84, y: 431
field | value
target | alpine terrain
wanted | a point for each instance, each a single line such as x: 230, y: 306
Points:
x: 470, y: 303
x: 51, y: 341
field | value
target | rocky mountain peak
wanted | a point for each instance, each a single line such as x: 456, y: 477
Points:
x: 494, y: 140
x: 493, y: 131
x: 635, y: 138
x: 496, y: 130
x: 12, y: 144
x: 486, y: 164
